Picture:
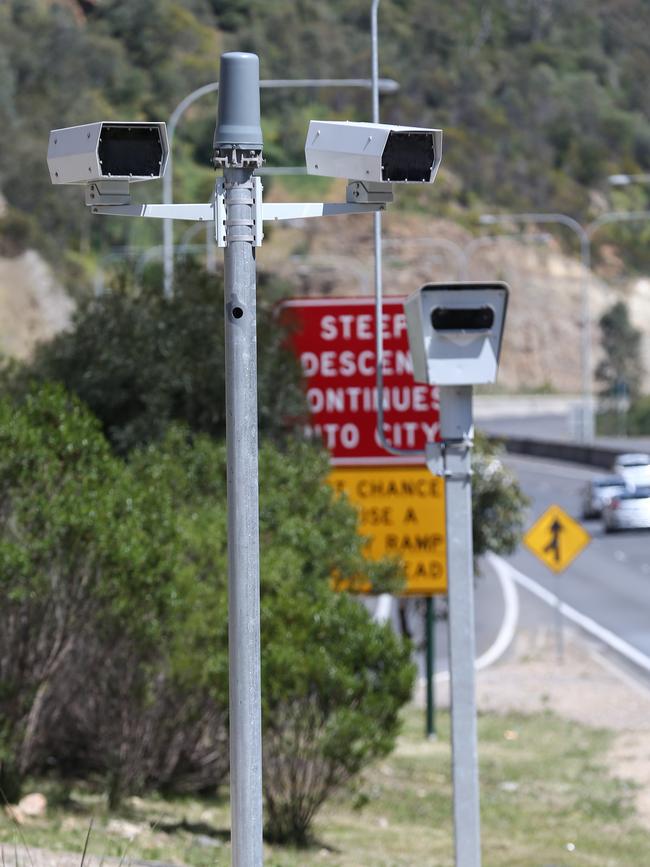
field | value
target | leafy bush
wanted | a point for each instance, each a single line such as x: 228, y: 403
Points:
x: 639, y: 417
x: 333, y: 685
x: 113, y: 625
x: 498, y: 502
x: 76, y: 547
x: 140, y: 362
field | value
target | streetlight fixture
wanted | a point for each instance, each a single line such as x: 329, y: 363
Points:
x: 623, y: 180
x: 385, y: 85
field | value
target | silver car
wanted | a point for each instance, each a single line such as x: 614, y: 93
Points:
x: 634, y: 468
x: 597, y: 493
x: 629, y: 510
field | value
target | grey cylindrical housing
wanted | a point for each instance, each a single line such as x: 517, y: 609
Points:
x: 238, y: 116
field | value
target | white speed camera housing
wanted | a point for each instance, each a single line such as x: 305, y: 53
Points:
x: 455, y: 332
x: 373, y: 152
x: 108, y: 151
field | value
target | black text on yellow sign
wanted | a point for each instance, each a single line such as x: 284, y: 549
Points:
x: 402, y: 511
x: 556, y: 539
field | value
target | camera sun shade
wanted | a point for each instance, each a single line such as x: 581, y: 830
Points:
x: 107, y: 151
x: 455, y: 332
x: 373, y: 152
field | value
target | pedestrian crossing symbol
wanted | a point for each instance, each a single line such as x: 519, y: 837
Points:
x: 556, y: 539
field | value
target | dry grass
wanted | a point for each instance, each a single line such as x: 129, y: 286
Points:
x: 548, y: 800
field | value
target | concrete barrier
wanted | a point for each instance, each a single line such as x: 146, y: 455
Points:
x: 575, y: 453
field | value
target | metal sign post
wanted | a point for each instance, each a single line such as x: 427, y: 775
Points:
x: 454, y: 452
x: 556, y: 539
x: 431, y: 667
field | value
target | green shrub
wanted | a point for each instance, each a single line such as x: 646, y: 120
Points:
x: 333, y: 685
x: 141, y: 362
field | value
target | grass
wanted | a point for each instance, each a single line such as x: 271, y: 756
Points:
x: 547, y: 801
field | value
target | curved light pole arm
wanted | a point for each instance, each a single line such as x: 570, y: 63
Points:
x: 379, y: 336
x: 616, y: 217
x: 388, y: 85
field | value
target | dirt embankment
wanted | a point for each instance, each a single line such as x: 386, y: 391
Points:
x: 542, y: 341
x: 33, y: 306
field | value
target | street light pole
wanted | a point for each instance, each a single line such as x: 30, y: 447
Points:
x: 386, y: 85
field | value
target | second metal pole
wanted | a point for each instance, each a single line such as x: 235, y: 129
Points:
x: 456, y: 433
x: 431, y: 668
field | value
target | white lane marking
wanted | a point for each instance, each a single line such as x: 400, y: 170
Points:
x: 508, y: 627
x: 510, y: 617
x: 602, y: 633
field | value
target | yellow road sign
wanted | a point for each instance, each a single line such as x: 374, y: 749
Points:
x: 556, y: 539
x: 402, y: 511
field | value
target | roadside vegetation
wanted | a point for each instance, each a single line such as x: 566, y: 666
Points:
x: 625, y: 410
x: 539, y: 101
x: 113, y: 603
x: 546, y: 799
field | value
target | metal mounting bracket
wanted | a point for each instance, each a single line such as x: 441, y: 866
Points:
x: 302, y: 210
x: 450, y: 459
x: 220, y: 212
x: 196, y: 213
x: 369, y: 192
x: 108, y: 193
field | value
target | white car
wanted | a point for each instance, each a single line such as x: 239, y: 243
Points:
x: 597, y: 493
x: 629, y: 510
x: 634, y: 469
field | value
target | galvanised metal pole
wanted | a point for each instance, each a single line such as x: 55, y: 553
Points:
x: 431, y: 667
x: 456, y: 429
x: 238, y: 150
x: 385, y: 84
x: 379, y: 336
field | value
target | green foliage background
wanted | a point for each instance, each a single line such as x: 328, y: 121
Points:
x: 540, y: 99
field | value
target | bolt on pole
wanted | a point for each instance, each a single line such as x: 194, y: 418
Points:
x: 238, y: 150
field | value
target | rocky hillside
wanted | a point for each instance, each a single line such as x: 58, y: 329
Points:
x: 541, y: 349
x: 33, y: 306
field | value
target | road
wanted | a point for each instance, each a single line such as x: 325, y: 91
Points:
x: 610, y: 580
x: 554, y: 427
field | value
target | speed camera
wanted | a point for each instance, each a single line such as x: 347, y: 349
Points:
x: 373, y: 152
x: 455, y: 332
x: 107, y: 151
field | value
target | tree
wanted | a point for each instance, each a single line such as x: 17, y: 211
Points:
x: 79, y: 545
x: 621, y: 366
x: 140, y: 362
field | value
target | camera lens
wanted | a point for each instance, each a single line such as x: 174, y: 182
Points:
x: 462, y: 318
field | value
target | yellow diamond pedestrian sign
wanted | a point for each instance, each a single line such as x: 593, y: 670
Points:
x: 556, y: 539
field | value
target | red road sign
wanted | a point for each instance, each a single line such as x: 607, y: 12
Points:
x: 335, y: 341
